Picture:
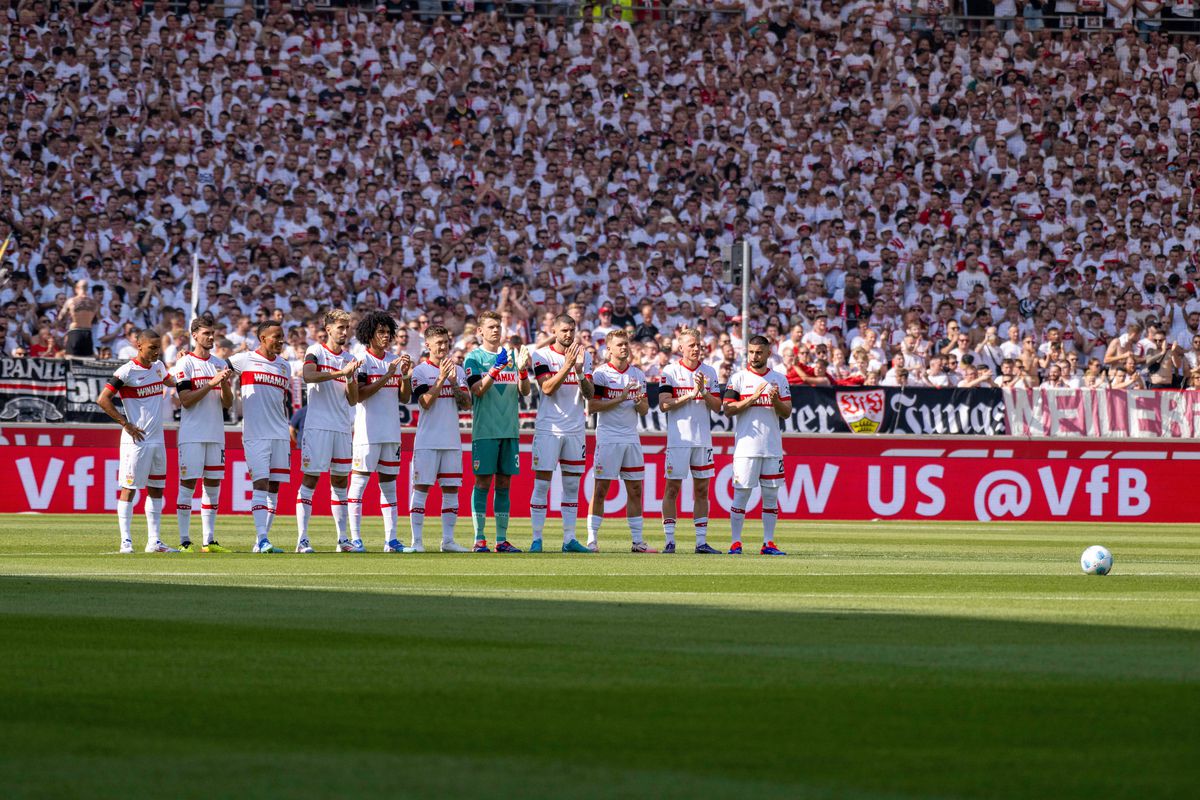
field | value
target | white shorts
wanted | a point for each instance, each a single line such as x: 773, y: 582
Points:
x: 623, y: 459
x: 443, y: 467
x: 201, y: 459
x: 566, y: 450
x: 268, y: 459
x: 382, y: 458
x: 325, y: 451
x: 143, y: 465
x: 752, y: 471
x: 698, y: 461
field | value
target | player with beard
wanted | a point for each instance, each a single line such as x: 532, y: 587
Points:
x: 757, y: 397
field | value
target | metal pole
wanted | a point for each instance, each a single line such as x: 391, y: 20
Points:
x: 745, y: 301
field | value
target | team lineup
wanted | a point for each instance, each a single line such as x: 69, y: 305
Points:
x: 353, y: 431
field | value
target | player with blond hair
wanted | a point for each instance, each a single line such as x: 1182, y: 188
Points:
x: 689, y: 394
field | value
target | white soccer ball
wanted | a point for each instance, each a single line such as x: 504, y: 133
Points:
x: 1096, y: 560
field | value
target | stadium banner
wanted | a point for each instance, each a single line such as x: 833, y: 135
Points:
x: 70, y: 470
x: 837, y: 409
x: 33, y: 389
x: 1121, y: 413
x: 85, y: 381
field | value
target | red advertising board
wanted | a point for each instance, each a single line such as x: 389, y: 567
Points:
x: 850, y: 477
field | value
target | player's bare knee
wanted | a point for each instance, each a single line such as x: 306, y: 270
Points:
x: 502, y: 481
x: 339, y: 481
x: 699, y: 486
x: 382, y: 477
x: 485, y: 482
x: 211, y: 483
x: 272, y: 486
x: 309, y: 481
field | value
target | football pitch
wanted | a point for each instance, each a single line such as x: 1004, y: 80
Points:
x: 878, y: 660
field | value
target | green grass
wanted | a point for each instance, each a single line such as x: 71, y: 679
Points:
x: 877, y: 661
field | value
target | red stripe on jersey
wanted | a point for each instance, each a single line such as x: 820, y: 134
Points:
x: 267, y: 379
x: 146, y: 390
x: 328, y: 368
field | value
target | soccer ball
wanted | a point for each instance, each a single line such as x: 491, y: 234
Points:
x: 1096, y: 560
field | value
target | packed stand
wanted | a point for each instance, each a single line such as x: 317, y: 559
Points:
x: 1002, y: 207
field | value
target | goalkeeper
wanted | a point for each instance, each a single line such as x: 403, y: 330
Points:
x: 496, y: 380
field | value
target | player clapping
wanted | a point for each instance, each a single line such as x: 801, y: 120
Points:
x: 689, y: 393
x: 758, y: 397
x: 563, y: 373
x: 620, y: 396
x: 327, y: 443
x: 440, y: 389
x: 384, y: 382
x: 205, y: 386
x: 497, y: 383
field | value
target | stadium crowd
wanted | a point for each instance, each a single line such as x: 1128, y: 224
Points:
x: 1006, y: 204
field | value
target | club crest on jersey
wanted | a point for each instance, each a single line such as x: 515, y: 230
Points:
x: 862, y: 411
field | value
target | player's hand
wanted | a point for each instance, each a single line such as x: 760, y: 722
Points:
x: 220, y: 377
x: 572, y: 355
x: 698, y: 390
x: 406, y: 364
x: 446, y: 371
x: 349, y: 369
x: 135, y: 433
x: 501, y: 359
x: 523, y: 359
x: 392, y: 367
x: 772, y: 392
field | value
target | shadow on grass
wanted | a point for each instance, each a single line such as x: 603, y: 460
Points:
x: 288, y: 693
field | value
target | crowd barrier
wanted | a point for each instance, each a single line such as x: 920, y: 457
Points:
x: 57, y: 469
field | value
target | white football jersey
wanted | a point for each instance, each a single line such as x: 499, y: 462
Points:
x: 437, y: 426
x: 756, y: 430
x: 565, y: 411
x: 328, y: 406
x: 205, y: 421
x: 377, y: 419
x: 266, y: 389
x: 140, y: 387
x: 618, y: 425
x: 689, y: 425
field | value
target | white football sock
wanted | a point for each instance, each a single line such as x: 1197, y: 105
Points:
x: 737, y: 512
x: 210, y: 498
x: 669, y: 529
x: 593, y: 528
x: 635, y: 530
x: 304, y: 497
x: 183, y: 513
x: 387, y: 506
x: 770, y: 512
x: 358, y: 488
x: 272, y: 504
x: 701, y: 525
x: 449, y: 514
x: 154, y: 507
x: 570, y: 506
x: 125, y: 519
x: 537, y: 507
x: 258, y: 509
x: 340, y: 506
x: 416, y: 517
